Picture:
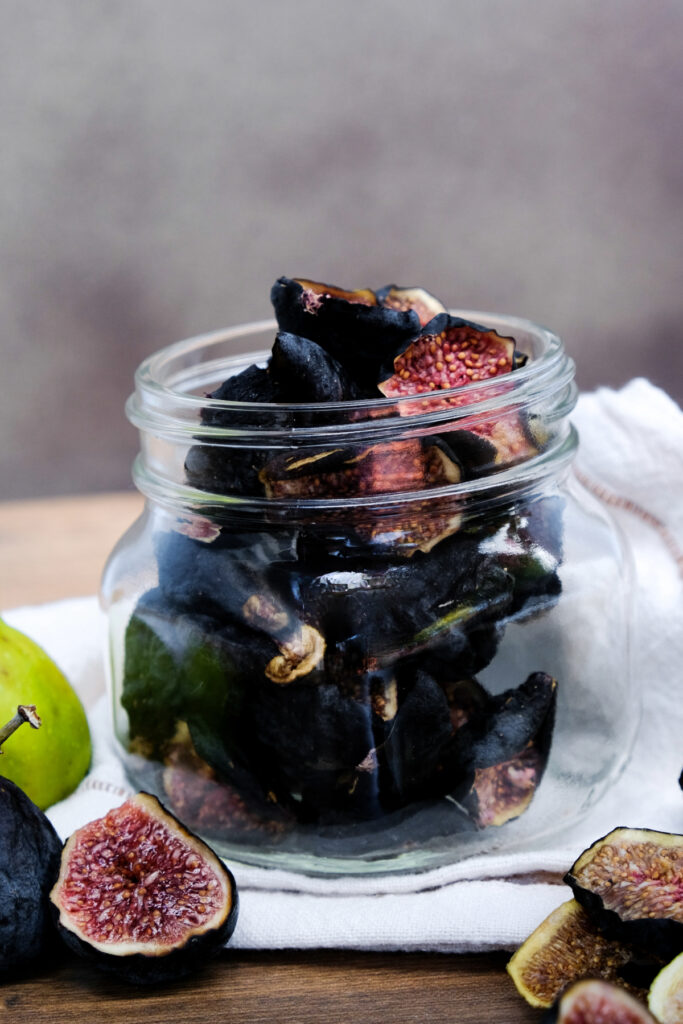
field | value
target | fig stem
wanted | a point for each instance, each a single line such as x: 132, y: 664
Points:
x: 25, y: 713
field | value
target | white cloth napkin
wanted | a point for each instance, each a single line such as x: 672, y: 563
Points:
x: 631, y: 457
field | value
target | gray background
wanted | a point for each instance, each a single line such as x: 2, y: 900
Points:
x: 163, y: 162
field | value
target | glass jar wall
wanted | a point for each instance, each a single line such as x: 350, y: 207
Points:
x: 367, y: 636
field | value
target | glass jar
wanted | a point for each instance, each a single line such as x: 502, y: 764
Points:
x: 367, y: 636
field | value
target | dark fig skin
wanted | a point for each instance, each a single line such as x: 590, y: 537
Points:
x: 29, y: 863
x: 302, y: 371
x: 149, y: 968
x: 351, y: 326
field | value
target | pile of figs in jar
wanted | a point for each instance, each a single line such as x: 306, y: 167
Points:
x: 317, y: 672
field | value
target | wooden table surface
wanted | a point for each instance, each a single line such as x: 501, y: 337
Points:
x: 53, y: 548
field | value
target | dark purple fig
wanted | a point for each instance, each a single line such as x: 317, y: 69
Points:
x: 255, y: 384
x: 224, y: 466
x: 415, y: 738
x: 503, y: 751
x: 448, y: 353
x: 304, y: 372
x: 475, y: 455
x: 426, y: 306
x: 631, y: 883
x: 665, y: 997
x: 141, y: 896
x: 29, y: 864
x: 564, y: 948
x: 466, y: 699
x: 593, y: 1001
x: 351, y: 326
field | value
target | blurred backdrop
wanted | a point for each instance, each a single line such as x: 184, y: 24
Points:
x: 163, y: 161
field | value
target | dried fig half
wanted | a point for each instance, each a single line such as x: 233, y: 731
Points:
x: 504, y: 751
x: 448, y: 353
x: 593, y: 1001
x: 665, y: 997
x: 141, y: 896
x: 631, y: 883
x: 564, y: 948
x: 305, y: 372
x: 352, y: 326
x: 426, y: 305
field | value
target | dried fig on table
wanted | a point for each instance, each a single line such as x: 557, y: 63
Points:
x: 631, y: 883
x: 141, y: 896
x: 565, y: 948
x: 597, y: 1002
x: 665, y: 997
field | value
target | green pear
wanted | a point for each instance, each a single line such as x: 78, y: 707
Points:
x: 48, y: 764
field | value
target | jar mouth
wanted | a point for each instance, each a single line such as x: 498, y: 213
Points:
x: 173, y: 384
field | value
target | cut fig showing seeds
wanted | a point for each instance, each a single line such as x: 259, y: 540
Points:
x: 564, y: 948
x: 448, y: 353
x: 631, y: 883
x: 593, y: 1001
x: 141, y: 896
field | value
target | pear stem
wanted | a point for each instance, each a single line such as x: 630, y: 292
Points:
x: 25, y: 713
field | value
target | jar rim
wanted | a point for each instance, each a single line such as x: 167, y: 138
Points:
x: 164, y: 403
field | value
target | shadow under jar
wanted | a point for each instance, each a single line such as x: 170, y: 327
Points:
x: 369, y: 636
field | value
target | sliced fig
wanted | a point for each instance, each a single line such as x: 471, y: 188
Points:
x: 426, y: 306
x: 141, y: 896
x: 304, y: 372
x: 351, y: 326
x: 504, y: 751
x: 564, y: 948
x: 382, y: 468
x: 448, y: 353
x: 420, y: 528
x: 205, y: 802
x: 510, y: 436
x: 474, y: 453
x: 29, y: 864
x: 665, y: 997
x: 598, y: 1002
x: 631, y: 883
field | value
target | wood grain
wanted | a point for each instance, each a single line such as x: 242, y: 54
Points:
x: 303, y: 988
x: 55, y: 548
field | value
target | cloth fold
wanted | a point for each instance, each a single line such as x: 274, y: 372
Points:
x: 631, y: 459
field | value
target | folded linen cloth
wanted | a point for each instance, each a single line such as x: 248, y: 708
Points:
x: 631, y: 458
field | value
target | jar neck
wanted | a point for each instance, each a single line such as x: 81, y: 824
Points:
x: 482, y: 443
